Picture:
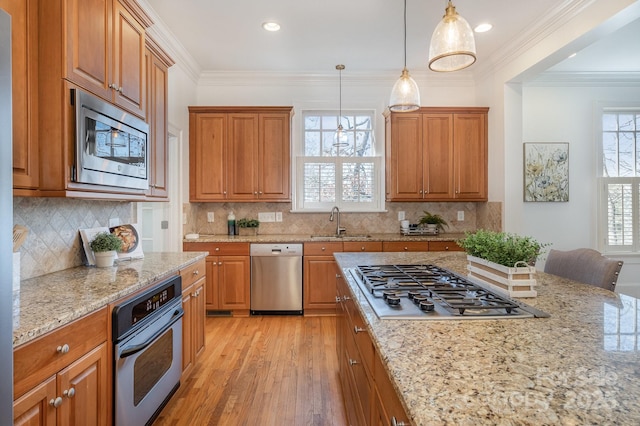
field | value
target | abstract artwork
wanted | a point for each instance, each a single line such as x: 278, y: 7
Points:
x: 546, y: 171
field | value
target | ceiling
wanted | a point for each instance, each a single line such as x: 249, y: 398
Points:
x: 366, y: 35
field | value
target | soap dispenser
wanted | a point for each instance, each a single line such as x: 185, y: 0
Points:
x: 231, y: 224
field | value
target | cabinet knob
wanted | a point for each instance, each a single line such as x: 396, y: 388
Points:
x: 70, y: 393
x: 362, y: 248
x: 394, y: 422
x: 55, y: 403
x: 217, y: 248
x: 219, y: 263
x: 196, y: 272
x: 338, y: 299
x: 63, y: 349
x: 346, y: 298
x: 406, y: 248
x: 353, y: 362
x: 255, y: 192
x: 323, y: 249
x: 338, y: 276
x: 446, y: 248
x: 358, y: 329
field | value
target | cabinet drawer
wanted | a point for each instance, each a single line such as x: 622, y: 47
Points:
x: 35, y: 361
x: 193, y: 273
x: 322, y: 248
x: 444, y: 246
x: 388, y: 396
x: 405, y: 246
x: 360, y: 334
x: 219, y: 249
x: 362, y: 246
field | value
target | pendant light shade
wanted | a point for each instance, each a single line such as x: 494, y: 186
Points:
x: 452, y: 44
x: 340, y: 138
x: 405, y: 95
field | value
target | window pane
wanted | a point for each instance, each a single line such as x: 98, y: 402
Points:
x: 620, y: 215
x: 329, y: 122
x: 319, y: 182
x: 358, y: 182
x: 626, y: 151
x: 312, y: 144
x: 312, y: 122
x: 610, y: 122
x: 363, y: 123
x: 610, y: 155
x: 626, y: 122
x: 364, y: 144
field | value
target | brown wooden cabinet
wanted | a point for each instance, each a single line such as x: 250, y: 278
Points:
x: 239, y: 153
x: 437, y: 154
x: 228, y: 282
x: 193, y: 303
x: 319, y: 278
x: 24, y: 64
x: 63, y: 377
x: 157, y: 66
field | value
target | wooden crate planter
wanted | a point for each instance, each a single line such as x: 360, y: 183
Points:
x: 517, y: 282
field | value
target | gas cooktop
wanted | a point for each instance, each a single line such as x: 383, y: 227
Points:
x: 430, y: 292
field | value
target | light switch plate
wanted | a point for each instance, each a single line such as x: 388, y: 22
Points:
x: 267, y: 217
x: 278, y: 216
x: 210, y: 217
x: 460, y: 215
x: 401, y: 215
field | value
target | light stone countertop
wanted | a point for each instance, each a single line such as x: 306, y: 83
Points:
x: 306, y: 238
x: 50, y: 301
x: 581, y: 366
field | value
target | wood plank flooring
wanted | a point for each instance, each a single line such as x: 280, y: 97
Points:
x: 262, y: 370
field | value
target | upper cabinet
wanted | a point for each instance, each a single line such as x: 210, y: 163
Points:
x: 437, y: 154
x: 239, y: 153
x: 105, y: 50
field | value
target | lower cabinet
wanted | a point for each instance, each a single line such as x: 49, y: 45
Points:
x: 369, y: 396
x: 228, y: 270
x: 193, y: 303
x: 63, y: 377
x: 319, y: 278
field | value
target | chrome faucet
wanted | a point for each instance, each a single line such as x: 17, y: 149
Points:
x: 339, y: 230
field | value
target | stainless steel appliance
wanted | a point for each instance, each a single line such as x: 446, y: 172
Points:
x: 6, y: 223
x: 147, y: 337
x: 276, y: 278
x: 111, y: 145
x: 429, y: 292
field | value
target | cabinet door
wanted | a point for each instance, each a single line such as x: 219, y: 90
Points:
x: 319, y: 280
x: 406, y: 157
x: 274, y: 152
x: 207, y: 157
x: 128, y: 61
x: 199, y: 315
x: 24, y: 61
x: 83, y: 386
x: 187, y: 333
x: 234, y: 282
x: 157, y: 96
x: 470, y: 161
x: 34, y: 407
x: 88, y: 45
x: 437, y: 137
x: 212, y: 294
x: 242, y: 145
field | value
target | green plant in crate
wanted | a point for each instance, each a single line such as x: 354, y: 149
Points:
x: 248, y: 223
x: 433, y: 219
x: 502, y: 248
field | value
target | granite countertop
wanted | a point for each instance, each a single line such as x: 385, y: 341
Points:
x: 50, y: 301
x: 581, y: 366
x: 306, y: 238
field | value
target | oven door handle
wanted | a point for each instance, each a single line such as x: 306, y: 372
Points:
x: 134, y: 349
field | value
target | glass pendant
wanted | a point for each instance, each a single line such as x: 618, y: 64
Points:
x: 453, y: 46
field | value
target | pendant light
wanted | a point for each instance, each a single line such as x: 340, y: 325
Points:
x: 405, y: 95
x: 340, y: 138
x: 452, y: 44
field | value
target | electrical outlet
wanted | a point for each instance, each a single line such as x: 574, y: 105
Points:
x: 460, y: 215
x: 164, y: 224
x: 184, y: 218
x: 278, y: 216
x: 400, y: 215
x: 210, y: 217
x: 267, y: 217
x: 114, y: 221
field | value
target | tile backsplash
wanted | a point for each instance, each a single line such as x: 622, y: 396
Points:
x: 53, y: 242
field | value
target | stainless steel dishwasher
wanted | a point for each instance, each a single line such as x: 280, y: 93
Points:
x: 276, y: 279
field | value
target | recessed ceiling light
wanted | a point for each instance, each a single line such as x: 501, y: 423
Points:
x: 271, y: 26
x: 572, y: 55
x: 483, y: 28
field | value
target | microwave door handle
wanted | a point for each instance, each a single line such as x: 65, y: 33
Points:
x: 134, y: 349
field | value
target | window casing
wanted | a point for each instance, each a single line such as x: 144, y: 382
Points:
x: 345, y: 173
x: 620, y: 180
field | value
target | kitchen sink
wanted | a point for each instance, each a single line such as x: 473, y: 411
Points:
x: 334, y: 237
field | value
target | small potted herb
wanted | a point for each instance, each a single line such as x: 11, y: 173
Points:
x: 248, y: 226
x: 104, y: 246
x: 433, y: 222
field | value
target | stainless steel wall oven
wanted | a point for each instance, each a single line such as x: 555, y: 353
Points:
x: 147, y: 338
x: 111, y: 144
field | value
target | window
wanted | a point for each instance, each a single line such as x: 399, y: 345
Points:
x: 344, y: 173
x: 621, y: 180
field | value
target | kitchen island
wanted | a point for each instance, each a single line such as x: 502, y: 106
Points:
x: 581, y: 366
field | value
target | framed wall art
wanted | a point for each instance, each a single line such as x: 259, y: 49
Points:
x: 546, y: 171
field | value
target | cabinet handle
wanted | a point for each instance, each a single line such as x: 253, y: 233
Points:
x: 64, y: 349
x: 352, y: 362
x: 217, y: 248
x: 394, y: 422
x: 69, y: 393
x: 323, y: 249
x: 196, y: 272
x: 255, y: 192
x: 338, y: 276
x: 362, y: 248
x: 346, y: 298
x: 260, y: 192
x: 358, y: 329
x: 219, y: 263
x: 55, y: 403
x: 338, y: 300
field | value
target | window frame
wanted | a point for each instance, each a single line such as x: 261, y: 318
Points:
x: 378, y: 203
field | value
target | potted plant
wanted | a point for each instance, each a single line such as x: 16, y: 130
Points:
x: 104, y: 246
x: 503, y: 260
x: 433, y: 222
x: 248, y: 226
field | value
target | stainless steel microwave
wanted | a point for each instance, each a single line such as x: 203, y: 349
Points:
x: 112, y: 146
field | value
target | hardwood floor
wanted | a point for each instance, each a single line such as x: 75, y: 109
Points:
x: 262, y: 370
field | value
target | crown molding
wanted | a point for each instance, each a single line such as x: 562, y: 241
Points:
x: 586, y: 79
